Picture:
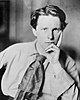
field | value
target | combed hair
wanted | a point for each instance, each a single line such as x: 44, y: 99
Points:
x: 48, y: 10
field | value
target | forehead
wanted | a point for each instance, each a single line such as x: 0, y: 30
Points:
x: 48, y: 21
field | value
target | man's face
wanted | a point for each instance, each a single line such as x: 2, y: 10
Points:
x: 47, y: 30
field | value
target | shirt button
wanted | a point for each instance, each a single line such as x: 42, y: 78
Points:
x: 54, y: 76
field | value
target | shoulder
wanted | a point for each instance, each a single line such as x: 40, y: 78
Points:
x: 16, y: 49
x: 19, y: 47
x: 16, y: 52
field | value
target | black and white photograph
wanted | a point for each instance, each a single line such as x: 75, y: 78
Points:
x: 39, y: 49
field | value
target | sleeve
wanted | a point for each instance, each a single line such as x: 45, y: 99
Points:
x: 6, y: 55
x: 72, y: 70
x: 3, y: 58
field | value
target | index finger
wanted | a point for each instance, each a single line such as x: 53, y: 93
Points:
x: 59, y: 41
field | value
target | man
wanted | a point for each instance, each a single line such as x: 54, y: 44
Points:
x: 60, y: 81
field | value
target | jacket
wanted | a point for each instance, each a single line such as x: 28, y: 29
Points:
x: 19, y: 56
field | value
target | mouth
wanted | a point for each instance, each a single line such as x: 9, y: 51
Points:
x: 51, y: 42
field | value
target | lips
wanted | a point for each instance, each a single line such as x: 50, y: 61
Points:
x: 50, y: 42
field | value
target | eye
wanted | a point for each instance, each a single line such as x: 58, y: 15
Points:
x: 45, y: 29
x: 56, y: 30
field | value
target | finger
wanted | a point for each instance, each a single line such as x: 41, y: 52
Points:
x: 59, y: 41
x: 50, y: 50
x: 51, y: 46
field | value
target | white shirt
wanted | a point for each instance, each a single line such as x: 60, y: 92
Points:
x: 18, y: 58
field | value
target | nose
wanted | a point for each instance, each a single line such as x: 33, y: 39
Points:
x: 51, y: 35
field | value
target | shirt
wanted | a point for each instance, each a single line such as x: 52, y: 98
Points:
x: 17, y: 59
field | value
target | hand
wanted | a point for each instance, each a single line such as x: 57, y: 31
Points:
x: 52, y: 53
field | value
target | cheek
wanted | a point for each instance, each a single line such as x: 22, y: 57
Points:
x: 42, y: 36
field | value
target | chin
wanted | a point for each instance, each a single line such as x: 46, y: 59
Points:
x: 45, y: 46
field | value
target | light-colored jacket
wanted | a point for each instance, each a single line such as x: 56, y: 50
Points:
x: 17, y: 59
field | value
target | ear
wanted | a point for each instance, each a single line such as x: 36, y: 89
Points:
x: 34, y: 32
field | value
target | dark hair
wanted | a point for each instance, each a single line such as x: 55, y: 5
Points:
x: 49, y: 9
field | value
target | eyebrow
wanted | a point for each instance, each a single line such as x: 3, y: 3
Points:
x: 56, y: 28
x: 44, y: 28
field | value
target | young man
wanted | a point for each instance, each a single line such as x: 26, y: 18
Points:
x: 58, y: 79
